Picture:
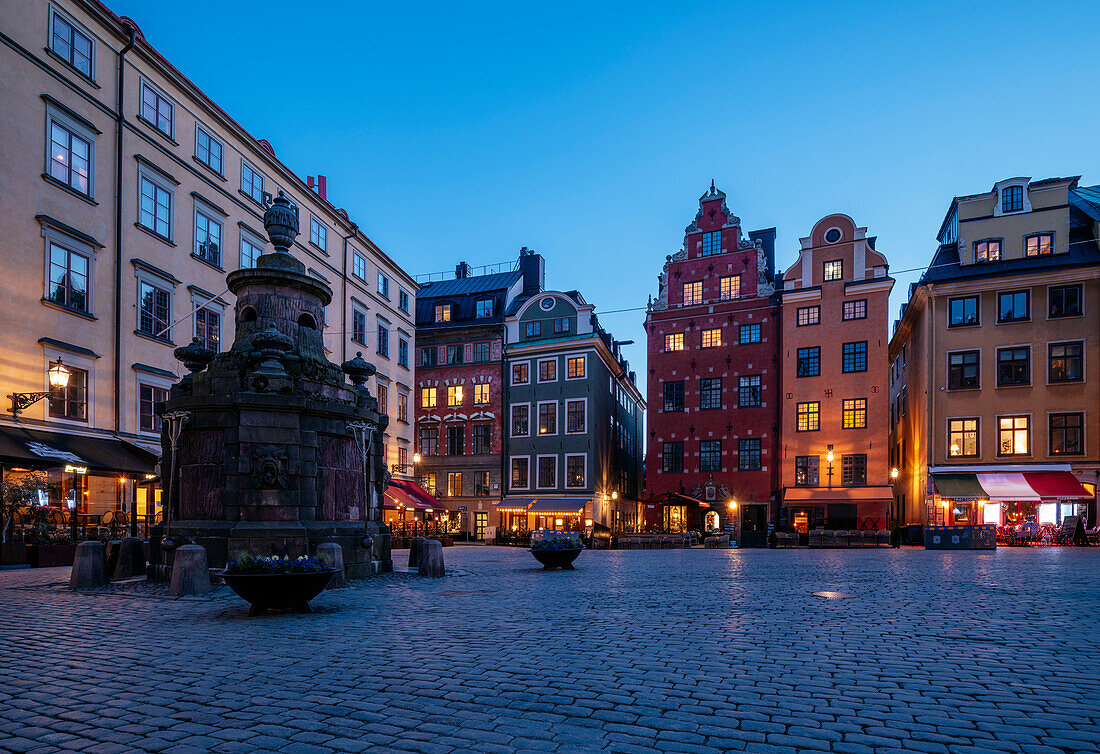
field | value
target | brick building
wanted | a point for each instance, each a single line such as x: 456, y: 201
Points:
x: 713, y: 384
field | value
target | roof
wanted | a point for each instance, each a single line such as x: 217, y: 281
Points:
x: 464, y: 294
x: 466, y: 286
x: 945, y: 267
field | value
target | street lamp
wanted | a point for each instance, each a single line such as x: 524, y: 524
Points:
x: 894, y: 473
x: 829, y: 457
x: 58, y: 374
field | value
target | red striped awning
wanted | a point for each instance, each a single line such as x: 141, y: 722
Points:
x: 1056, y: 485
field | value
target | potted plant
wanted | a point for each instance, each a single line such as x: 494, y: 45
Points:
x: 277, y: 582
x: 556, y: 549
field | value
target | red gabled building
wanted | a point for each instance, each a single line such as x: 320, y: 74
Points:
x: 713, y: 415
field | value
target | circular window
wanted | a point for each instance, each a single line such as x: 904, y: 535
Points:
x: 832, y: 235
x: 546, y: 304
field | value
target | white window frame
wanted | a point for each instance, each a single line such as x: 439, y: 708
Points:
x: 382, y: 324
x: 383, y: 285
x: 358, y: 265
x: 79, y: 28
x: 81, y: 361
x: 152, y: 380
x: 143, y: 275
x: 511, y: 461
x: 511, y: 375
x: 575, y: 400
x: 318, y: 228
x: 358, y: 310
x: 199, y: 127
x: 538, y: 464
x: 403, y: 340
x: 511, y: 419
x: 263, y: 182
x: 403, y: 300
x: 80, y: 131
x: 404, y: 420
x: 72, y: 244
x: 212, y: 216
x: 162, y: 183
x: 199, y: 300
x: 557, y: 419
x: 253, y: 240
x: 585, y: 481
x: 146, y: 84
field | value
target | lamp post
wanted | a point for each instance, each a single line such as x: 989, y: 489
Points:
x: 58, y: 375
x: 402, y: 467
x: 829, y: 457
x: 734, y: 519
x: 363, y: 432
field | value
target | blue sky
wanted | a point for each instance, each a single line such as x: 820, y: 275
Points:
x: 588, y: 131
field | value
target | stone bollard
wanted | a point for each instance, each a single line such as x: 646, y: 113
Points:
x: 190, y: 575
x: 131, y: 559
x: 414, y: 549
x: 89, y: 566
x: 332, y: 554
x: 429, y: 559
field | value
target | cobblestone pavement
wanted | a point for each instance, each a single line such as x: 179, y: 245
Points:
x: 692, y: 651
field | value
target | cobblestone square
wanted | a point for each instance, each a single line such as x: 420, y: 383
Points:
x: 677, y: 650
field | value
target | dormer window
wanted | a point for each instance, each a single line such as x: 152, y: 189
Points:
x: 1039, y: 245
x: 484, y: 308
x: 442, y: 312
x: 1012, y: 198
x: 712, y: 243
x: 988, y: 250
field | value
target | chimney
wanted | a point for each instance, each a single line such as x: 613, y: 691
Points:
x: 533, y: 267
x: 318, y: 185
x: 462, y: 271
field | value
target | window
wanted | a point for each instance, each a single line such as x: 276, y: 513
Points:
x: 383, y: 402
x: 672, y: 457
x: 693, y: 293
x: 1013, y: 435
x: 252, y: 183
x: 808, y: 362
x: 834, y: 270
x: 69, y: 273
x: 454, y: 483
x: 148, y: 398
x: 521, y: 421
x: 853, y: 470
x: 962, y: 438
x: 520, y: 468
x: 574, y: 471
x: 808, y: 315
x: 748, y: 391
x: 481, y: 353
x: 1065, y: 301
x: 855, y: 309
x: 712, y: 338
x: 454, y: 354
x: 208, y: 150
x: 429, y: 482
x: 805, y: 471
x: 427, y: 397
x: 456, y: 440
x: 359, y: 265
x: 548, y: 370
x: 454, y: 396
x: 208, y: 238
x: 384, y: 285
x: 1039, y: 245
x: 575, y: 417
x: 481, y: 394
x: 729, y: 287
x: 710, y: 393
x: 481, y: 482
x: 750, y: 334
x: 383, y: 340
x: 674, y: 396
x: 402, y: 407
x: 428, y: 357
x: 1066, y: 362
x: 561, y: 325
x: 250, y: 251
x: 710, y: 455
x: 154, y: 310
x: 1013, y: 306
x: 548, y: 471
x: 403, y: 352
x: 748, y: 454
x: 962, y: 370
x: 402, y: 456
x: 318, y: 234
x: 809, y: 416
x: 429, y: 441
x: 1067, y: 434
x: 963, y: 312
x: 988, y: 250
x: 854, y: 413
x: 484, y: 308
x: 574, y: 367
x: 548, y: 418
x: 482, y: 439
x: 71, y: 401
x: 712, y: 243
x: 1012, y: 198
x: 1013, y: 366
x: 403, y: 300
x: 674, y: 342
x: 156, y: 109
x: 155, y: 212
x: 532, y: 329
x: 442, y: 312
x: 208, y: 329
x: 521, y: 373
x: 72, y: 45
x: 855, y: 357
x: 70, y: 156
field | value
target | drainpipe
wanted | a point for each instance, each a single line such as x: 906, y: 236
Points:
x: 505, y: 413
x: 118, y: 228
x: 344, y: 297
x: 929, y: 408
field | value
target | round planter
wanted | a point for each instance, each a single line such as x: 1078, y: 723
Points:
x: 278, y: 591
x: 551, y: 559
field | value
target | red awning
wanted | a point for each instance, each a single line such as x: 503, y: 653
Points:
x: 396, y: 496
x: 1060, y: 485
x: 423, y: 498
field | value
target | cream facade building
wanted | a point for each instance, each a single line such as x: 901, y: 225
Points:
x: 126, y: 195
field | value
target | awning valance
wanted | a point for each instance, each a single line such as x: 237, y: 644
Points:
x: 397, y: 498
x: 568, y: 506
x: 421, y: 495
x: 959, y: 487
x: 836, y: 494
x: 41, y: 449
x: 514, y: 504
x: 1010, y: 486
x: 1057, y: 485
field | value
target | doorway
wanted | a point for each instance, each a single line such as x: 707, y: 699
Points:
x: 481, y: 520
x: 754, y: 525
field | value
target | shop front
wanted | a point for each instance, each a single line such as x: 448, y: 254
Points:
x: 512, y: 520
x: 836, y: 509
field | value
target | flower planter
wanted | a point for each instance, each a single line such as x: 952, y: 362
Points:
x: 278, y: 591
x: 551, y: 559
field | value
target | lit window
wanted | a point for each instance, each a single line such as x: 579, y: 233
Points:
x: 729, y: 287
x: 442, y: 312
x: 481, y: 394
x: 712, y: 338
x: 454, y: 396
x: 574, y: 471
x: 575, y: 367
x: 693, y: 293
x: 834, y: 270
x: 808, y: 315
x: 809, y: 416
x: 454, y: 483
x: 519, y: 473
x: 674, y: 342
x: 855, y: 309
x: 157, y: 109
x: 987, y: 251
x: 712, y: 243
x: 855, y: 413
x: 1040, y: 245
x: 72, y: 45
x: 427, y: 397
x: 252, y: 183
x: 962, y: 438
x: 805, y: 471
x: 548, y: 418
x: 1013, y: 436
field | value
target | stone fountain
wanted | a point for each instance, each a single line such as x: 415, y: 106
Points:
x: 275, y: 452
